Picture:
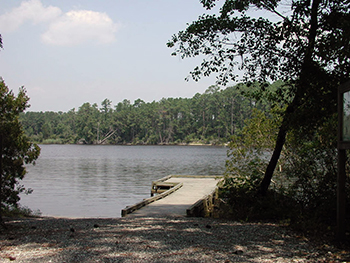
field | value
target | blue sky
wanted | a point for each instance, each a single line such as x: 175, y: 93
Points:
x: 69, y: 52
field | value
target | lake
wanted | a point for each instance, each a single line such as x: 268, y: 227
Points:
x: 100, y: 180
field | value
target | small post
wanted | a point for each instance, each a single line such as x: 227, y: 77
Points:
x: 343, y: 145
x: 341, y: 196
x: 1, y: 178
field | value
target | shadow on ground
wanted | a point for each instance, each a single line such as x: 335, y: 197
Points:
x: 140, y: 239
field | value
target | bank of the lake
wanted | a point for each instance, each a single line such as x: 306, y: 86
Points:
x: 192, y: 143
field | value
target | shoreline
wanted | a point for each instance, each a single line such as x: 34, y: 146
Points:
x: 131, y: 144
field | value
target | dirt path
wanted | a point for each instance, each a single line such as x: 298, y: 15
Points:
x: 151, y: 239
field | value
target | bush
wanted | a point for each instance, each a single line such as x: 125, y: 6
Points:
x: 303, y: 191
x: 53, y: 141
x: 20, y: 211
x: 243, y: 204
x: 312, y: 165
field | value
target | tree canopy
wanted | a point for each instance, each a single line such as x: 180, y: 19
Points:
x: 304, y: 43
x: 269, y: 48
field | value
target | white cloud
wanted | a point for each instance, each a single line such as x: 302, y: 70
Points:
x: 29, y: 11
x: 76, y: 27
x: 69, y: 29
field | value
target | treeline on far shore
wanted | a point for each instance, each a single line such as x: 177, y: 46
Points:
x: 208, y: 118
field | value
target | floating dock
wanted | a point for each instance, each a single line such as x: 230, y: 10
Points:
x: 177, y: 195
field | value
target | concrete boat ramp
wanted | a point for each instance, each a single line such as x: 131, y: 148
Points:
x: 177, y: 195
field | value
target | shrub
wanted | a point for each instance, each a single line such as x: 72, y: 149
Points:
x: 304, y: 187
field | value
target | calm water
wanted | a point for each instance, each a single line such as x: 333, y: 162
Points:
x: 99, y: 181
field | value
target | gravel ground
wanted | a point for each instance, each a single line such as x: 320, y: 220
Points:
x: 167, y: 239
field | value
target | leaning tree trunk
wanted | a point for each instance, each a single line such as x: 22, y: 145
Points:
x: 304, y: 81
x: 281, y: 139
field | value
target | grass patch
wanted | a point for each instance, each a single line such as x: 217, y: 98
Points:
x: 20, y: 211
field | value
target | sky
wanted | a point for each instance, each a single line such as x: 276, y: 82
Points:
x: 69, y: 52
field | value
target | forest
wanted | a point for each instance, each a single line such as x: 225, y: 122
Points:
x: 208, y: 118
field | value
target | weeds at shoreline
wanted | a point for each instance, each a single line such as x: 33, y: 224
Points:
x: 21, y: 211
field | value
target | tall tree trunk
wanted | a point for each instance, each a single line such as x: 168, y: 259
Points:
x: 203, y: 132
x: 281, y: 139
x: 304, y: 81
x: 232, y: 127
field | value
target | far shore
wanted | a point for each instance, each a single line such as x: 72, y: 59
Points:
x: 139, y: 144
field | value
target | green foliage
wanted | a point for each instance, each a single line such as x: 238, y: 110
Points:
x: 304, y: 189
x: 20, y: 211
x: 249, y: 151
x: 245, y: 168
x: 312, y: 166
x: 208, y: 118
x: 266, y: 49
x: 306, y: 47
x: 15, y: 148
x: 242, y: 204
